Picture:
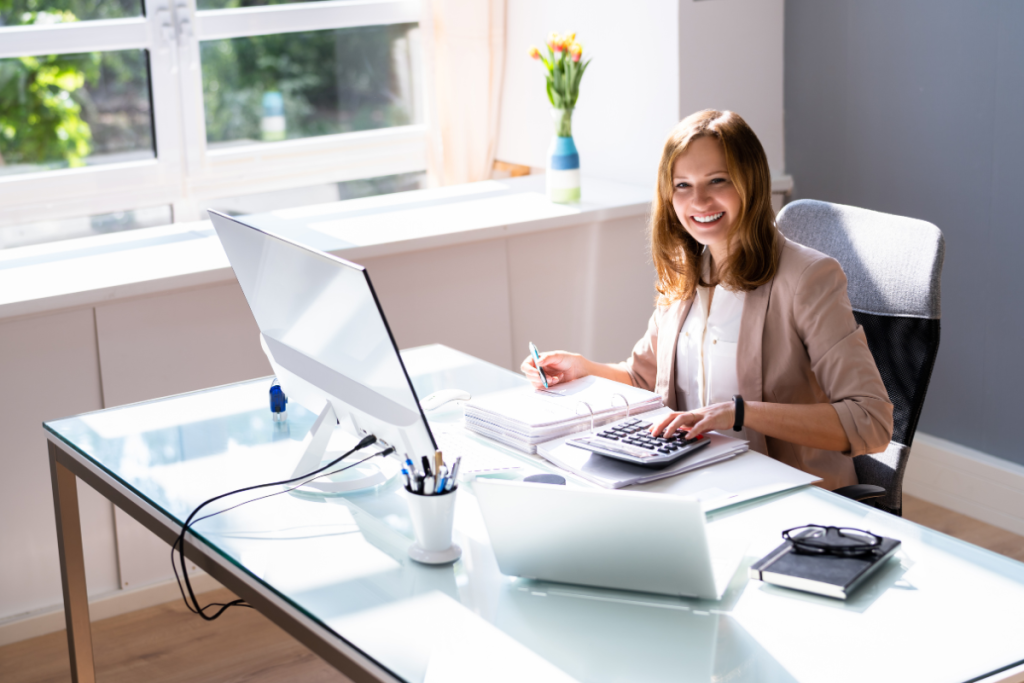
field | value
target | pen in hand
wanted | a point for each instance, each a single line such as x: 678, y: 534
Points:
x: 536, y: 361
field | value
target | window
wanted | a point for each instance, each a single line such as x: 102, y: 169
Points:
x: 111, y: 107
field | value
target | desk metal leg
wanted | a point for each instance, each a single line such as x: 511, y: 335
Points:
x: 72, y: 569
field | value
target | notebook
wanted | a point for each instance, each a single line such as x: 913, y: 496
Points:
x: 829, y: 575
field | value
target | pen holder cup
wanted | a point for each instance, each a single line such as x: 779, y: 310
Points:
x: 432, y: 521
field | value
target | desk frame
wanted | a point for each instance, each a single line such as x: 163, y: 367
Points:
x: 67, y: 466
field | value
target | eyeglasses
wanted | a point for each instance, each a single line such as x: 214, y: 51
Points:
x: 832, y: 540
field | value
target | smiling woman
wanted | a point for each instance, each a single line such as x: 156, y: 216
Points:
x: 751, y: 332
x: 713, y: 164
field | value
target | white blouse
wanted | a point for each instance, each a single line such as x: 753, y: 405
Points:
x: 706, y: 352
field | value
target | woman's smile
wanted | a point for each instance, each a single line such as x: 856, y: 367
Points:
x: 710, y: 218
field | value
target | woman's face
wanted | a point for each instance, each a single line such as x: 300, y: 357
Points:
x: 704, y: 197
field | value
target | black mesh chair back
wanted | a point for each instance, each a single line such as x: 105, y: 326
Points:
x: 892, y: 266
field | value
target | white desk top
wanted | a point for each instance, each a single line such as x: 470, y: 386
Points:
x: 91, y: 270
x: 944, y: 611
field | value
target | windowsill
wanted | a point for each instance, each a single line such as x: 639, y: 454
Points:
x: 83, y: 272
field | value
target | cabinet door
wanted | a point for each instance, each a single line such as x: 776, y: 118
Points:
x: 49, y: 371
x: 168, y: 344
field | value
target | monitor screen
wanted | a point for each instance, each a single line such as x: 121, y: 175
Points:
x: 326, y: 335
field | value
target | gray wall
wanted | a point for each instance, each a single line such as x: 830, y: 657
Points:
x: 916, y: 107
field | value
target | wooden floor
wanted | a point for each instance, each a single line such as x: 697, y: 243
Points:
x: 166, y: 643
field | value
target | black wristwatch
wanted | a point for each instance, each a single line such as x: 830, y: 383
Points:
x: 737, y: 402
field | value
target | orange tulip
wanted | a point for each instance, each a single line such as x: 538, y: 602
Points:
x: 534, y: 53
x: 575, y: 50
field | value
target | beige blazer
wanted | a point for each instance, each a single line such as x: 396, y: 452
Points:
x: 799, y: 343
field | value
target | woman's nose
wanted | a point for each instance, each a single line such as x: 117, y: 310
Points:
x: 700, y: 196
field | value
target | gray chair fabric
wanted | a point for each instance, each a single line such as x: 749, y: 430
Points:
x: 893, y: 266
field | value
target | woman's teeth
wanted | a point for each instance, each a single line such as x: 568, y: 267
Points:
x: 709, y: 219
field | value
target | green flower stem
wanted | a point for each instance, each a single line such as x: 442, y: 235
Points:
x: 563, y: 122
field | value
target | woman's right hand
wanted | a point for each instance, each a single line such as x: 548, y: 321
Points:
x: 559, y: 367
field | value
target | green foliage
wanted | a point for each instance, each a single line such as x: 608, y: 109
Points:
x: 23, y: 12
x: 332, y: 82
x: 40, y: 118
x: 563, y: 78
x: 565, y: 68
x: 57, y: 110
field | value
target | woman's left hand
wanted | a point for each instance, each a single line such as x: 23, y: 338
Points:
x: 719, y: 416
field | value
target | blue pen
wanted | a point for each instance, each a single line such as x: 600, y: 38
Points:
x: 440, y: 485
x: 536, y: 361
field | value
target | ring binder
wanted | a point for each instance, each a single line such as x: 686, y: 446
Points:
x: 624, y: 400
x: 522, y: 417
x: 579, y: 403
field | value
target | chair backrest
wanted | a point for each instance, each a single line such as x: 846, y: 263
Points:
x: 892, y: 266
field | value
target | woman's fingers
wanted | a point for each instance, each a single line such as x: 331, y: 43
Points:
x: 671, y: 423
x: 719, y: 416
x: 700, y: 427
x: 659, y: 428
x: 529, y: 369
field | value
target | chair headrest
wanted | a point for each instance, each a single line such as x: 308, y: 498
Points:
x: 893, y: 264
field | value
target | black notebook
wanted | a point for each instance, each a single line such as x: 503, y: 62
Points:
x: 829, y: 575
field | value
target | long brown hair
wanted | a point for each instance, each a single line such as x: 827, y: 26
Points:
x: 754, y: 239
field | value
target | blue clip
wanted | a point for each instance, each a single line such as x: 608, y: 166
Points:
x: 278, y: 402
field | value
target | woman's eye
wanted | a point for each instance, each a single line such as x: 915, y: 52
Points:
x: 682, y: 186
x: 717, y: 181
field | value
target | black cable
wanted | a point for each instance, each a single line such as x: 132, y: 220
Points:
x: 179, y: 545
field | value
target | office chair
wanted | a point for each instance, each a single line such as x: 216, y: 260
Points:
x: 892, y: 266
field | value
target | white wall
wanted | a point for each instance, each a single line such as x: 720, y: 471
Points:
x: 629, y: 94
x: 654, y: 63
x: 731, y: 57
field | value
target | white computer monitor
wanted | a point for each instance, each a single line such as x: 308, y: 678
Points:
x: 329, y: 344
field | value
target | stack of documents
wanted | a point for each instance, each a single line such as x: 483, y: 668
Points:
x: 522, y: 417
x: 615, y: 474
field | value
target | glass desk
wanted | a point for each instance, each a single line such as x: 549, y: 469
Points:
x: 334, y: 572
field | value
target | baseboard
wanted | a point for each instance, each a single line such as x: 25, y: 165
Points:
x: 51, y: 619
x: 967, y: 481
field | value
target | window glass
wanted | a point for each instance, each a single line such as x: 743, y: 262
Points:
x: 299, y: 85
x: 64, y: 111
x: 70, y: 228
x: 264, y: 202
x: 40, y: 12
x: 235, y: 4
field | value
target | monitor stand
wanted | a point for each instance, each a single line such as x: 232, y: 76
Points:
x: 359, y: 478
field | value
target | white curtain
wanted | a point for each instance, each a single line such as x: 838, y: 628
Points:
x: 464, y: 54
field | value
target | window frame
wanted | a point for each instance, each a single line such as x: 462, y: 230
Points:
x: 184, y: 172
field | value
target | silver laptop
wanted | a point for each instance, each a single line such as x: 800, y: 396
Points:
x: 629, y: 540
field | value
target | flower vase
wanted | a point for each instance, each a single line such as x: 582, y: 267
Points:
x: 563, y: 171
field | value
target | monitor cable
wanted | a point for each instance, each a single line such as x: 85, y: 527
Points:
x: 191, y: 601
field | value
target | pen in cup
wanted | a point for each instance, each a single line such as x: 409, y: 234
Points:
x: 430, y: 481
x: 536, y: 361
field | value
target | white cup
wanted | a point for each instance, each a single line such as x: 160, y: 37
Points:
x: 432, y: 521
